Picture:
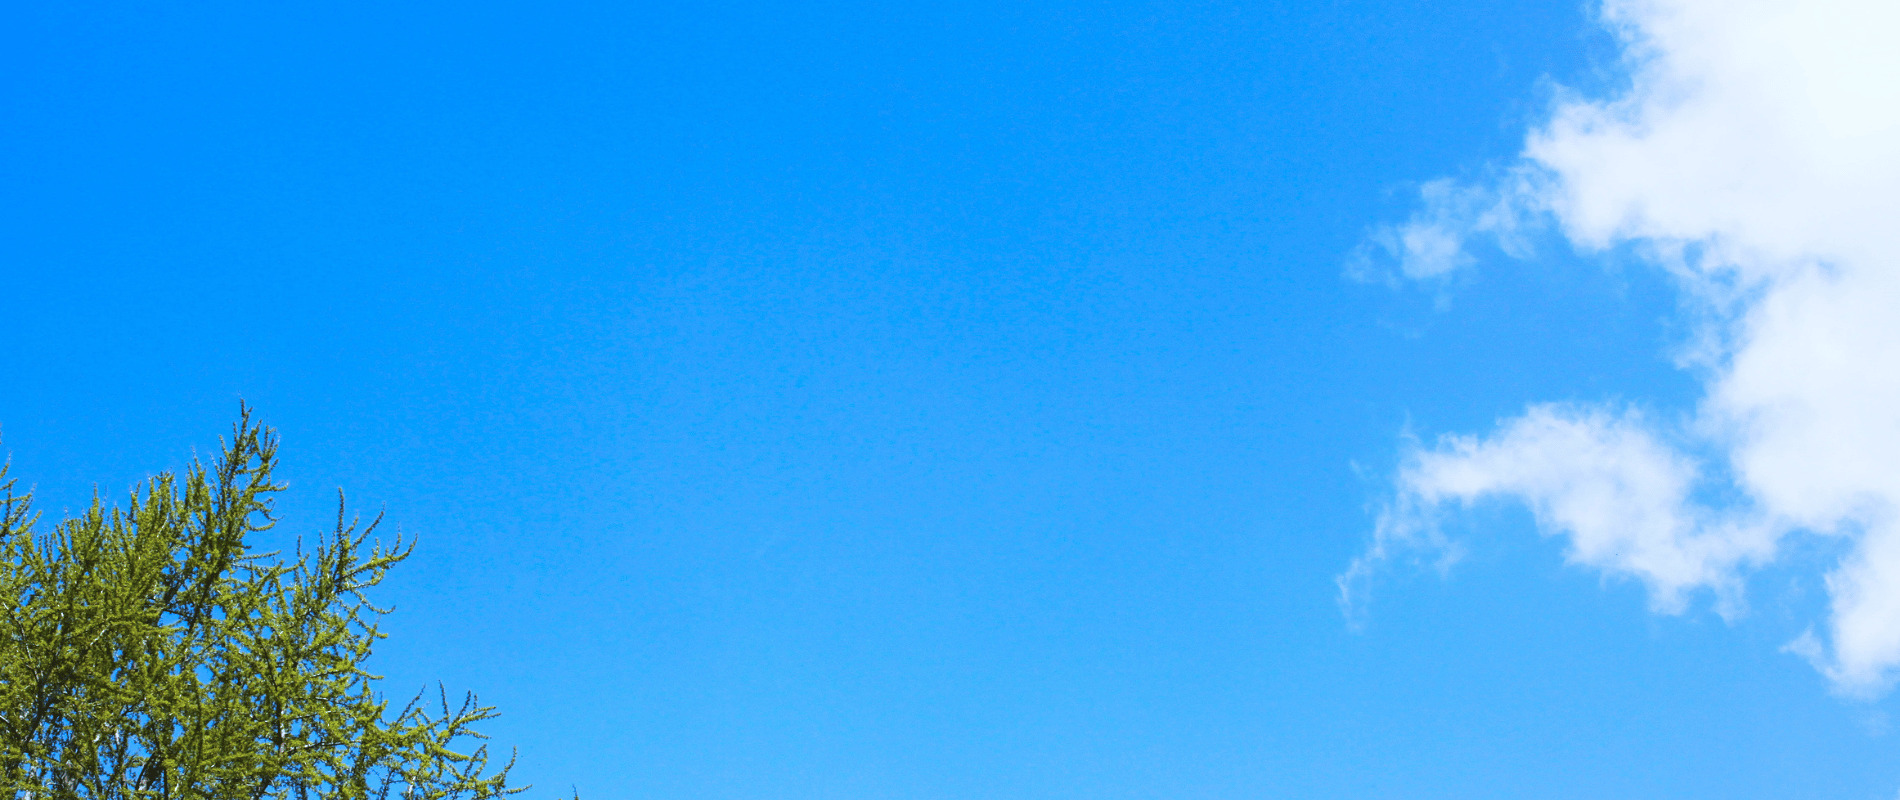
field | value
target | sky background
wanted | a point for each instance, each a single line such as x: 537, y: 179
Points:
x: 906, y: 400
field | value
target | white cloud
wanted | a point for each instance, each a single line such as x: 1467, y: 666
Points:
x: 1755, y: 155
x: 1605, y: 480
x: 1432, y: 243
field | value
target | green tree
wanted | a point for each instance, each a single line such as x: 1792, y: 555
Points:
x: 146, y: 653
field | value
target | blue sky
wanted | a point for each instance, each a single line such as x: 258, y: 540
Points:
x: 952, y: 400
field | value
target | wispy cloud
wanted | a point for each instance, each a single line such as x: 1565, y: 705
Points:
x: 1756, y: 156
x: 1432, y: 244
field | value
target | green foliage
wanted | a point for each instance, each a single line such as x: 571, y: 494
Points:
x: 147, y: 654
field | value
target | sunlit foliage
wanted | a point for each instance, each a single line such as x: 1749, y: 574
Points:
x: 145, y: 652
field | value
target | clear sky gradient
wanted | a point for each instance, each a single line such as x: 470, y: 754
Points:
x: 903, y: 400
